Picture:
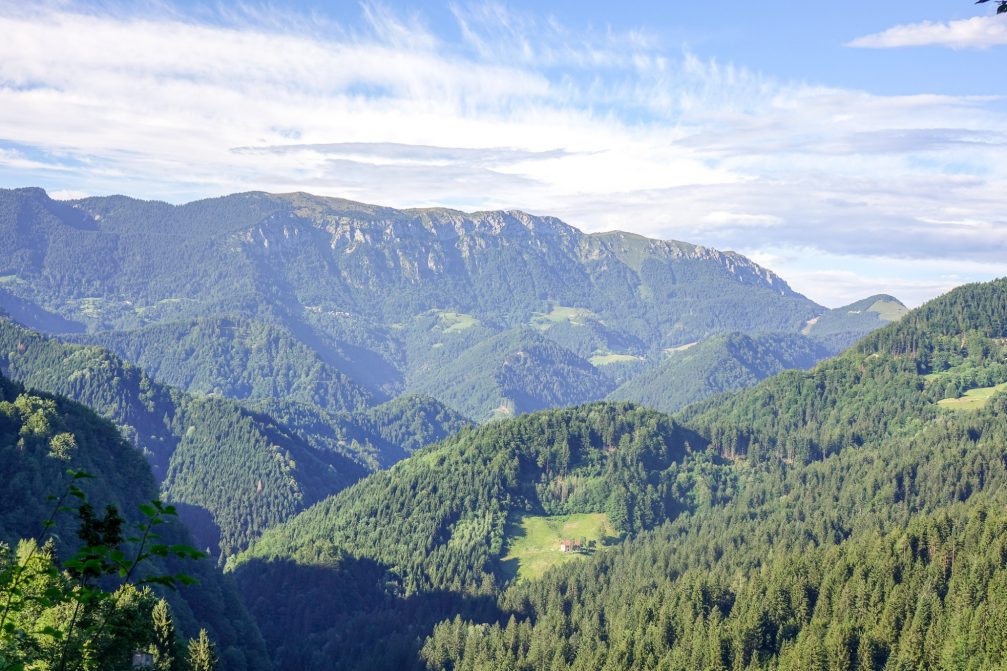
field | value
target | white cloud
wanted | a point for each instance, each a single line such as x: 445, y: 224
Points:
x: 607, y: 130
x: 980, y: 32
x: 727, y: 219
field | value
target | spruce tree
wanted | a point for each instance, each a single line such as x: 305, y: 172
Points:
x: 163, y: 649
x: 202, y: 656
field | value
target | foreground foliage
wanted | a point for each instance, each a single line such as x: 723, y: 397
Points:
x: 77, y: 571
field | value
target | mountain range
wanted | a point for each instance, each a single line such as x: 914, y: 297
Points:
x: 424, y: 439
x: 344, y: 305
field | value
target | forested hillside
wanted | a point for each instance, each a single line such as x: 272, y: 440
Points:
x: 716, y: 365
x: 874, y: 546
x: 839, y: 328
x: 843, y: 517
x: 245, y: 469
x: 511, y: 373
x: 736, y: 361
x: 434, y: 528
x: 236, y: 358
x: 343, y: 305
x: 43, y: 436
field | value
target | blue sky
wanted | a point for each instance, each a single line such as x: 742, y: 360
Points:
x: 853, y: 147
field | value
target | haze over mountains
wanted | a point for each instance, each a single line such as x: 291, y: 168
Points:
x: 344, y: 305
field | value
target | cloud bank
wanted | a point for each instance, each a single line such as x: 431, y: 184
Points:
x: 980, y: 32
x: 604, y: 129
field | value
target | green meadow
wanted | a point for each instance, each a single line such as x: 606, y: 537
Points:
x: 533, y: 546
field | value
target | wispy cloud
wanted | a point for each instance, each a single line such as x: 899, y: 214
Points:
x: 495, y: 32
x: 606, y: 129
x: 980, y: 32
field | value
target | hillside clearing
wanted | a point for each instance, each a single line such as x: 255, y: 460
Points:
x: 455, y: 322
x: 533, y: 541
x: 890, y: 311
x: 561, y: 313
x: 974, y: 399
x: 606, y: 359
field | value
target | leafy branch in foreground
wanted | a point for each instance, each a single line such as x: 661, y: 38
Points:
x: 1001, y: 5
x: 90, y: 611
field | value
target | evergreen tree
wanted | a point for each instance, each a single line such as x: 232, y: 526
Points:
x: 202, y: 653
x: 163, y: 648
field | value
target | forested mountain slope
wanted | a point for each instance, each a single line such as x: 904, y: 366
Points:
x: 236, y: 358
x: 342, y: 304
x: 887, y: 384
x: 841, y: 327
x: 246, y: 469
x: 862, y: 528
x: 511, y: 373
x: 431, y: 532
x: 843, y: 517
x: 723, y: 363
x: 375, y: 438
x: 738, y: 361
x: 42, y: 436
x: 298, y: 251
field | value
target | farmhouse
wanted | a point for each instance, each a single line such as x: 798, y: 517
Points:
x: 570, y: 546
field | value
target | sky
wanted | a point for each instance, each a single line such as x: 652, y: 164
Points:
x: 854, y: 148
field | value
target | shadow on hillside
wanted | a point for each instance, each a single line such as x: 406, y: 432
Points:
x: 345, y: 614
x: 35, y: 316
x: 204, y: 529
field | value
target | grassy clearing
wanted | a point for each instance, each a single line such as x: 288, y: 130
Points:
x: 606, y: 359
x: 503, y: 411
x: 455, y: 322
x: 888, y: 310
x: 164, y: 302
x: 533, y: 541
x: 560, y: 314
x: 974, y: 399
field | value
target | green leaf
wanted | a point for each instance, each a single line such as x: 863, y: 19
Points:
x: 187, y: 552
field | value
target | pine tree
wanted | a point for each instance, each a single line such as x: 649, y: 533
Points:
x: 163, y: 649
x: 202, y: 656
